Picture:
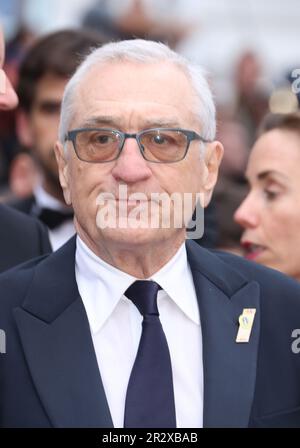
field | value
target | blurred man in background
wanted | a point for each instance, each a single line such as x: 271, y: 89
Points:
x: 43, y: 76
x: 21, y: 237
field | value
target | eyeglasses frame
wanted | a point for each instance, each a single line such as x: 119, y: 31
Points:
x: 190, y: 135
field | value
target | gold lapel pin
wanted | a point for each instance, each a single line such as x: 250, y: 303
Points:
x: 246, y: 321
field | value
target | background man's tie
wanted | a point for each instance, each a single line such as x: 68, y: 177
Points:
x: 150, y: 395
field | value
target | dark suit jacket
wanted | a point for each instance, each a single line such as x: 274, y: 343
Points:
x: 23, y: 205
x: 49, y: 375
x: 21, y: 238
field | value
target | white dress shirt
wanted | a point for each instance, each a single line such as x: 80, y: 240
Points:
x: 61, y: 234
x: 115, y: 325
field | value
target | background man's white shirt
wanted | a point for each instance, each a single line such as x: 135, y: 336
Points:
x: 61, y: 234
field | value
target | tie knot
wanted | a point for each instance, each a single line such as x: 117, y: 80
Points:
x: 143, y: 293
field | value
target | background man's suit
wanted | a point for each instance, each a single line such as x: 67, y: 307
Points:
x: 49, y: 375
x: 24, y: 205
x: 21, y: 238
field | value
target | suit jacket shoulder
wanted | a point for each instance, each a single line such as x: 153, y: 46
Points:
x: 23, y: 205
x: 21, y: 238
x: 225, y: 268
x: 274, y: 285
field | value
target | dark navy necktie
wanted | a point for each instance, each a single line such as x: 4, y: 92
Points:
x: 150, y: 396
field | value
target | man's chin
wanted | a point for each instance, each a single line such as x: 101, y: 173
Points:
x: 136, y: 236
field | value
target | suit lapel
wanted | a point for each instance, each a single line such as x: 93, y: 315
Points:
x: 229, y: 367
x: 58, y: 347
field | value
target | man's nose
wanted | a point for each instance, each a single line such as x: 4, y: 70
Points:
x: 131, y: 167
x: 247, y: 215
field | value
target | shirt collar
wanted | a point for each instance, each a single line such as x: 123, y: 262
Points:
x: 176, y: 280
x: 104, y: 285
x: 45, y: 200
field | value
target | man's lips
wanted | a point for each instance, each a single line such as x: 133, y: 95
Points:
x: 252, y: 250
x: 131, y: 201
x: 115, y: 200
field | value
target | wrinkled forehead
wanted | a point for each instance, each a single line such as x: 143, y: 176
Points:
x: 130, y: 86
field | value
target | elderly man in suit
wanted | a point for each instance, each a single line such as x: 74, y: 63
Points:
x: 21, y: 238
x: 128, y: 324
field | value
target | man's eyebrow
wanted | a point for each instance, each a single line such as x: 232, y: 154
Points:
x: 161, y: 123
x: 100, y: 120
x: 43, y: 102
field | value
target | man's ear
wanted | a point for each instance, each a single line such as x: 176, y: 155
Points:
x: 63, y: 171
x: 23, y: 128
x: 212, y: 159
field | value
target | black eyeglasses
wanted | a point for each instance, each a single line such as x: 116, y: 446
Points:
x: 158, y: 145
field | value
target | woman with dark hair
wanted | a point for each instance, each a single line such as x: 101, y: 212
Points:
x: 270, y: 213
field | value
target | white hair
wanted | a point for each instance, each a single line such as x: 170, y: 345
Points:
x: 145, y: 52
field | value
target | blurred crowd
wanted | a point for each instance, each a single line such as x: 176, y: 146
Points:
x: 260, y: 119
